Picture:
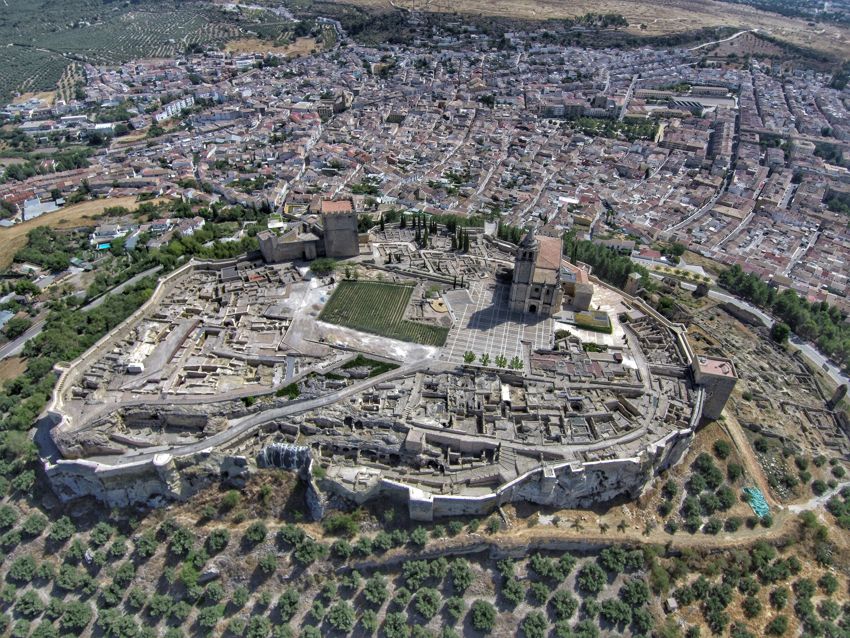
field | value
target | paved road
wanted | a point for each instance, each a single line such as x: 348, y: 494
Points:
x: 14, y: 347
x: 120, y: 287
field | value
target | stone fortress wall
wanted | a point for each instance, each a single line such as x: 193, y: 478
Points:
x: 171, y: 476
x: 158, y: 480
x: 566, y: 484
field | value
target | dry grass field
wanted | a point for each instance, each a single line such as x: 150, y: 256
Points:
x: 47, y: 96
x: 11, y: 368
x: 301, y: 46
x: 75, y: 216
x: 647, y: 18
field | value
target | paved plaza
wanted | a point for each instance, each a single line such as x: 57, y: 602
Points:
x: 483, y: 324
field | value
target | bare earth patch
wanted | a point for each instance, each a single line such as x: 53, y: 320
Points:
x: 12, y: 367
x: 647, y: 18
x: 301, y: 46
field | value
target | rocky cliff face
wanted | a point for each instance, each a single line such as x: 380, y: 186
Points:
x: 153, y: 482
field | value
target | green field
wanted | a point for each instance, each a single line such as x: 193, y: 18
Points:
x: 378, y: 308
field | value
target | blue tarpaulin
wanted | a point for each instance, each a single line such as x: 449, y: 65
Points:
x: 757, y: 502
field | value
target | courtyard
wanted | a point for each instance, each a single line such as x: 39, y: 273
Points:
x: 484, y: 324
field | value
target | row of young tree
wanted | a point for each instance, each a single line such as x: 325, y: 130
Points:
x: 818, y: 321
x: 607, y: 264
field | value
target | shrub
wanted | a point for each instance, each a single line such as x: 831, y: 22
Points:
x: 513, y: 591
x: 751, y: 606
x: 395, y: 625
x: 669, y: 490
x: 635, y: 592
x: 483, y: 616
x: 591, y: 579
x: 256, y: 533
x: 217, y: 540
x: 339, y: 524
x: 539, y: 593
x: 564, y: 604
x: 268, y: 563
x: 341, y: 617
x: 734, y: 471
x: 777, y: 627
x: 722, y: 449
x: 309, y: 551
x: 29, y: 604
x: 616, y: 612
x: 342, y: 549
x: 369, y: 621
x: 535, y: 625
x: 22, y: 569
x: 146, y: 544
x: 455, y: 606
x: 375, y: 590
x: 77, y: 616
x: 828, y: 583
x: 100, y: 534
x: 402, y: 597
x: 258, y: 627
x: 181, y: 541
x: 427, y: 602
x: 419, y: 537
x: 230, y: 500
x: 8, y: 516
x: 35, y: 524
x: 713, y: 526
x: 288, y: 602
x: 317, y: 610
x: 461, y: 574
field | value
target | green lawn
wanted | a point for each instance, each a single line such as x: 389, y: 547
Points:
x: 378, y: 308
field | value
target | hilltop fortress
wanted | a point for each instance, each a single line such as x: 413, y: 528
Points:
x: 497, y: 375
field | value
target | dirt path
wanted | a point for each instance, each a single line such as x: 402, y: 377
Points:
x: 745, y: 453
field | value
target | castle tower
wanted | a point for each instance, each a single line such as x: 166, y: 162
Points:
x: 526, y: 256
x: 718, y: 377
x: 340, y: 229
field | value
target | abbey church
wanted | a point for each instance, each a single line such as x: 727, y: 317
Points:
x: 543, y: 282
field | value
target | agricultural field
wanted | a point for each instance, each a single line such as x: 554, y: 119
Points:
x: 378, y: 308
x: 44, y: 37
x: 247, y: 564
